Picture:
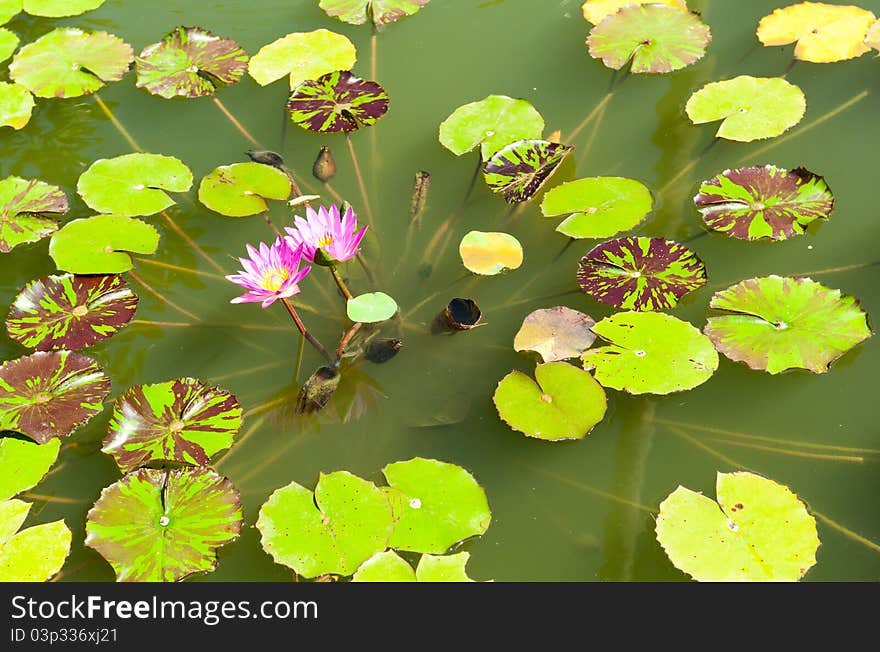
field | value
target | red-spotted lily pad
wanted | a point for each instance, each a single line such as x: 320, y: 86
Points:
x: 780, y: 323
x: 764, y: 202
x: 640, y: 273
x: 336, y: 102
x: 379, y: 12
x: 25, y: 206
x: 190, y: 62
x: 518, y: 170
x: 653, y: 38
x: 556, y: 333
x: 50, y: 394
x: 181, y: 420
x: 70, y: 312
x: 155, y: 525
x: 68, y: 62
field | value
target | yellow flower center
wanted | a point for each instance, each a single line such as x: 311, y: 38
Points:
x: 273, y: 279
x: 326, y: 241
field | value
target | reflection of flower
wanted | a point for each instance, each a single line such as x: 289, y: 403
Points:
x: 271, y: 273
x: 324, y: 234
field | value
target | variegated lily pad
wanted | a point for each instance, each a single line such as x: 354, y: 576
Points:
x: 518, y: 170
x: 16, y: 105
x: 491, y: 123
x: 556, y: 333
x: 102, y: 244
x: 70, y: 312
x: 764, y: 202
x: 241, y: 189
x: 25, y: 206
x: 780, y: 323
x: 50, y: 394
x: 181, y: 420
x: 379, y: 12
x: 156, y: 525
x: 640, y: 273
x: 302, y: 56
x: 336, y: 102
x: 598, y: 207
x: 34, y: 554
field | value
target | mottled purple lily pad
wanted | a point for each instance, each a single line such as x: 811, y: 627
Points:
x: 519, y: 170
x: 181, y: 420
x: 70, y: 312
x: 640, y: 273
x: 190, y: 62
x: 336, y: 102
x: 764, y: 201
x: 50, y: 394
x: 24, y: 208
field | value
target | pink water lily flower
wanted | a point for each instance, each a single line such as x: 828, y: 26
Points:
x: 271, y: 273
x: 325, y: 234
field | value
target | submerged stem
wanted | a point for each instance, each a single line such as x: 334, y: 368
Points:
x: 235, y: 123
x: 300, y: 350
x: 304, y: 331
x: 119, y: 127
x: 360, y: 179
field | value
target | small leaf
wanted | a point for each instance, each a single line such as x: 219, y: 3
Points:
x: 241, y: 189
x: 25, y: 206
x: 597, y: 10
x: 302, y: 56
x: 34, y: 554
x: 60, y: 8
x: 491, y: 123
x: 102, y: 244
x: 371, y: 308
x: 23, y: 464
x: 489, y: 254
x: 448, y: 568
x: 336, y: 102
x: 517, y: 171
x: 556, y: 333
x: 385, y: 566
x: 380, y: 12
x: 8, y: 43
x: 8, y: 10
x: 16, y: 105
x: 599, y: 207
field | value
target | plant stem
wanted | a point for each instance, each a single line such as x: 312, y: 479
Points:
x: 235, y: 123
x: 192, y: 243
x: 341, y: 284
x: 299, y: 357
x: 119, y: 127
x: 162, y: 298
x: 304, y: 331
x: 360, y: 180
x: 374, y: 146
x: 346, y: 339
x: 599, y: 107
x: 270, y: 223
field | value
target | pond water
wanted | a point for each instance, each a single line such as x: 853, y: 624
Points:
x: 580, y: 510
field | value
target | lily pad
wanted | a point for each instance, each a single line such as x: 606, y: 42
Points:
x: 302, y: 56
x: 371, y: 308
x: 824, y: 33
x: 181, y: 420
x: 379, y: 12
x: 490, y: 253
x: 155, y: 525
x: 781, y: 323
x: 652, y: 38
x: 333, y: 531
x: 68, y: 62
x: 133, y: 184
x: 8, y: 43
x: 16, y: 105
x: 556, y: 333
x: 597, y: 10
x: 70, y: 312
x: 491, y: 123
x: 758, y: 531
x: 750, y: 108
x: 50, y: 394
x: 190, y: 62
x: 764, y: 202
x: 23, y: 464
x: 598, y: 207
x: 651, y: 353
x: 336, y: 102
x: 435, y: 505
x: 32, y: 555
x: 241, y: 189
x: 25, y: 206
x: 388, y: 566
x: 640, y: 273
x: 8, y: 10
x: 60, y: 8
x: 102, y: 244
x: 446, y: 568
x: 565, y: 403
x: 872, y: 39
x: 518, y: 170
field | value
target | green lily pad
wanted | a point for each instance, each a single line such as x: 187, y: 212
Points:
x: 155, y: 525
x: 489, y: 254
x: 102, y: 244
x: 60, y: 8
x: 371, y: 308
x: 750, y: 108
x: 565, y: 403
x: 68, y: 62
x: 598, y: 207
x: 70, y: 312
x: 388, y: 566
x: 50, y: 394
x: 653, y: 38
x: 491, y: 123
x: 241, y: 189
x: 8, y: 10
x: 446, y: 568
x: 758, y: 531
x: 23, y: 464
x: 781, y: 323
x: 32, y: 555
x: 133, y: 184
x: 16, y: 105
x: 333, y: 531
x: 190, y: 62
x: 181, y: 420
x: 379, y: 12
x: 435, y: 504
x: 336, y: 102
x: 302, y: 56
x: 640, y: 273
x: 651, y: 353
x: 25, y: 206
x: 764, y: 202
x: 518, y: 170
x: 556, y: 333
x: 8, y: 42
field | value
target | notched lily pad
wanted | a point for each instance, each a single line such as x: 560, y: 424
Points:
x: 597, y: 10
x: 640, y: 273
x: 241, y: 189
x: 302, y: 56
x: 490, y: 253
x: 16, y: 105
x: 336, y: 102
x: 59, y: 8
x: 388, y: 566
x: 371, y: 308
x: 556, y: 333
x: 32, y: 555
x: 518, y: 170
x: 491, y: 123
x: 780, y: 323
x: 25, y: 209
x: 598, y: 207
x: 101, y: 244
x: 379, y: 12
x: 156, y: 525
x: 23, y: 463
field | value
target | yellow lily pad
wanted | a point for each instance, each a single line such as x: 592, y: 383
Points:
x: 490, y: 253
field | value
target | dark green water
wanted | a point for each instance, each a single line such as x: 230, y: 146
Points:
x: 563, y: 511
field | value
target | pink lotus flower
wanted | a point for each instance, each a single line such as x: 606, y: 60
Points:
x: 325, y: 235
x: 271, y: 273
